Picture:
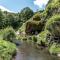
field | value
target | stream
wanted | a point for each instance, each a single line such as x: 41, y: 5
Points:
x: 29, y: 51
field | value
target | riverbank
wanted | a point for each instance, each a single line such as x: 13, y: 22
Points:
x: 41, y: 41
x: 7, y: 50
x: 30, y: 51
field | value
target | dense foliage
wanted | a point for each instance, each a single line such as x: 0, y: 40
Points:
x: 33, y: 27
x: 43, y: 37
x: 46, y: 26
x: 42, y: 27
x: 9, y: 34
x: 53, y: 25
x: 7, y: 50
x: 25, y: 14
x: 15, y: 19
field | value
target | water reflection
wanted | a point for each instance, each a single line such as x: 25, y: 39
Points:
x: 28, y: 51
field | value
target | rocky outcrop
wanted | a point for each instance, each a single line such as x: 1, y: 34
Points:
x: 33, y: 27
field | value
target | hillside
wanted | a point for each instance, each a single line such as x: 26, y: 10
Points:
x: 41, y: 28
x: 46, y: 26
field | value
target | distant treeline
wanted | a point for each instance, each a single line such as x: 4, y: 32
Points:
x: 15, y: 19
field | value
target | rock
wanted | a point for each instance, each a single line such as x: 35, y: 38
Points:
x: 33, y: 27
x: 17, y: 33
x: 58, y: 54
x: 17, y: 42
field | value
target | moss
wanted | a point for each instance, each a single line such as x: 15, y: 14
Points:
x: 7, y: 49
x: 55, y: 48
x: 33, y: 27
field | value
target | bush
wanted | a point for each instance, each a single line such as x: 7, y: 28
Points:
x: 36, y: 17
x: 22, y: 28
x: 7, y: 50
x: 24, y: 38
x: 34, y: 38
x: 33, y: 27
x: 55, y: 48
x: 53, y: 7
x: 42, y: 38
x: 53, y: 25
x: 25, y: 14
x: 9, y: 34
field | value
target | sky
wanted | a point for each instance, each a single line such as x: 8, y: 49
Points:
x: 17, y: 5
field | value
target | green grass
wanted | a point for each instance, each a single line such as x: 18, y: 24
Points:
x: 55, y: 48
x: 7, y: 49
x: 43, y: 37
x: 53, y: 25
x: 7, y: 34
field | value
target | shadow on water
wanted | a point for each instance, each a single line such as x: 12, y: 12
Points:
x: 28, y: 51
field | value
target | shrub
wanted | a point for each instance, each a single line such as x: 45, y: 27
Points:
x: 53, y: 25
x: 34, y: 38
x: 9, y: 34
x: 54, y: 49
x: 42, y: 38
x: 24, y: 38
x: 29, y: 37
x: 22, y: 28
x: 25, y: 14
x: 53, y: 8
x: 7, y: 50
x: 36, y: 17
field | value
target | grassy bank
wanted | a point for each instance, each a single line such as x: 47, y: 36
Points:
x: 7, y: 50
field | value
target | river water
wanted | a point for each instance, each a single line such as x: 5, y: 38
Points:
x: 29, y: 51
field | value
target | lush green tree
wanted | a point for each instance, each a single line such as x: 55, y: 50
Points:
x: 1, y: 19
x: 11, y: 20
x: 25, y: 14
x: 14, y: 19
